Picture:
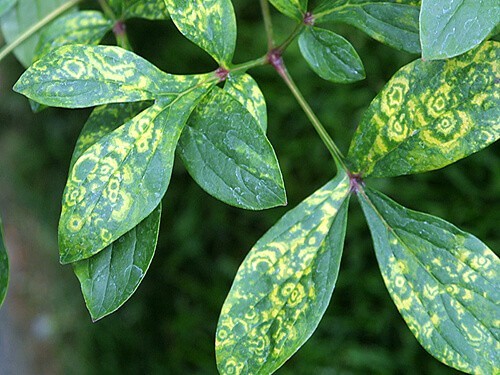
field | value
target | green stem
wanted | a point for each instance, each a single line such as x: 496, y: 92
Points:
x: 36, y: 27
x: 283, y: 46
x: 249, y: 64
x: 108, y: 11
x: 325, y: 137
x: 268, y: 23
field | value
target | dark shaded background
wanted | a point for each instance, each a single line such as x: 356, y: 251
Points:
x: 168, y: 326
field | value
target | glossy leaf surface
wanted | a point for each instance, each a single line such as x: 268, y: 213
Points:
x: 331, y: 56
x: 227, y: 153
x: 211, y: 24
x: 450, y: 28
x: 122, y: 178
x: 77, y: 76
x: 431, y: 114
x: 284, y: 285
x: 148, y: 9
x: 292, y: 8
x: 244, y: 89
x: 4, y: 267
x: 444, y: 282
x: 5, y: 5
x: 85, y: 27
x: 396, y: 25
x: 20, y: 18
x: 109, y: 279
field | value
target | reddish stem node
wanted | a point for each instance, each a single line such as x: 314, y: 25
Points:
x: 356, y: 181
x: 275, y: 58
x: 222, y: 74
x: 309, y: 19
x: 119, y: 29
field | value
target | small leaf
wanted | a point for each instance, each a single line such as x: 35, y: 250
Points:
x: 243, y: 88
x: 284, y: 285
x: 148, y: 9
x: 429, y: 115
x: 393, y: 24
x: 20, y: 18
x: 5, y: 5
x: 330, y: 56
x: 211, y: 24
x: 227, y: 153
x: 109, y: 279
x: 444, y: 282
x: 4, y: 267
x: 450, y: 28
x: 291, y: 8
x: 122, y: 178
x: 85, y: 27
x: 78, y: 76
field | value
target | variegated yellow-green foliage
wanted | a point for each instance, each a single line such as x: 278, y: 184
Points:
x: 244, y: 89
x: 211, y: 24
x: 77, y: 76
x: 109, y: 279
x: 444, y: 282
x: 85, y: 27
x: 5, y: 5
x: 227, y: 153
x: 284, y: 285
x: 20, y: 18
x: 292, y: 8
x: 4, y: 267
x: 392, y: 23
x: 122, y: 178
x: 149, y: 9
x: 431, y: 114
x: 449, y: 28
x: 331, y: 56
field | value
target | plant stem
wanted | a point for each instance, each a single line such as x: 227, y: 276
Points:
x: 283, y: 46
x: 36, y: 27
x: 108, y: 11
x: 325, y: 137
x: 249, y: 64
x: 120, y: 32
x: 268, y: 23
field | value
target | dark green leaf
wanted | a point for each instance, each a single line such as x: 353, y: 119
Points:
x: 292, y: 8
x: 444, y: 282
x: 450, y: 28
x: 109, y: 279
x: 284, y: 285
x: 149, y: 9
x: 20, y: 18
x: 430, y: 114
x: 4, y: 267
x: 390, y: 23
x: 77, y: 76
x: 332, y: 57
x: 85, y: 27
x: 227, y: 153
x: 121, y: 179
x: 244, y: 89
x: 5, y: 5
x: 211, y: 24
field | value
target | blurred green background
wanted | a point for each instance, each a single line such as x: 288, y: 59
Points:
x: 168, y: 326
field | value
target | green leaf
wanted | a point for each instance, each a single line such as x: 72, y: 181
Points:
x: 393, y: 24
x: 211, y: 24
x: 85, y: 27
x: 450, y: 28
x: 148, y: 9
x: 291, y: 8
x: 5, y: 5
x: 429, y: 115
x: 444, y: 282
x: 4, y: 267
x: 331, y: 56
x: 244, y: 89
x: 109, y: 279
x: 77, y: 76
x: 227, y: 153
x: 284, y: 285
x: 20, y: 18
x: 121, y: 179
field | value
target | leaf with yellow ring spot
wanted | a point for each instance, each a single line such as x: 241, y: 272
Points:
x: 431, y: 114
x: 444, y: 282
x: 284, y: 285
